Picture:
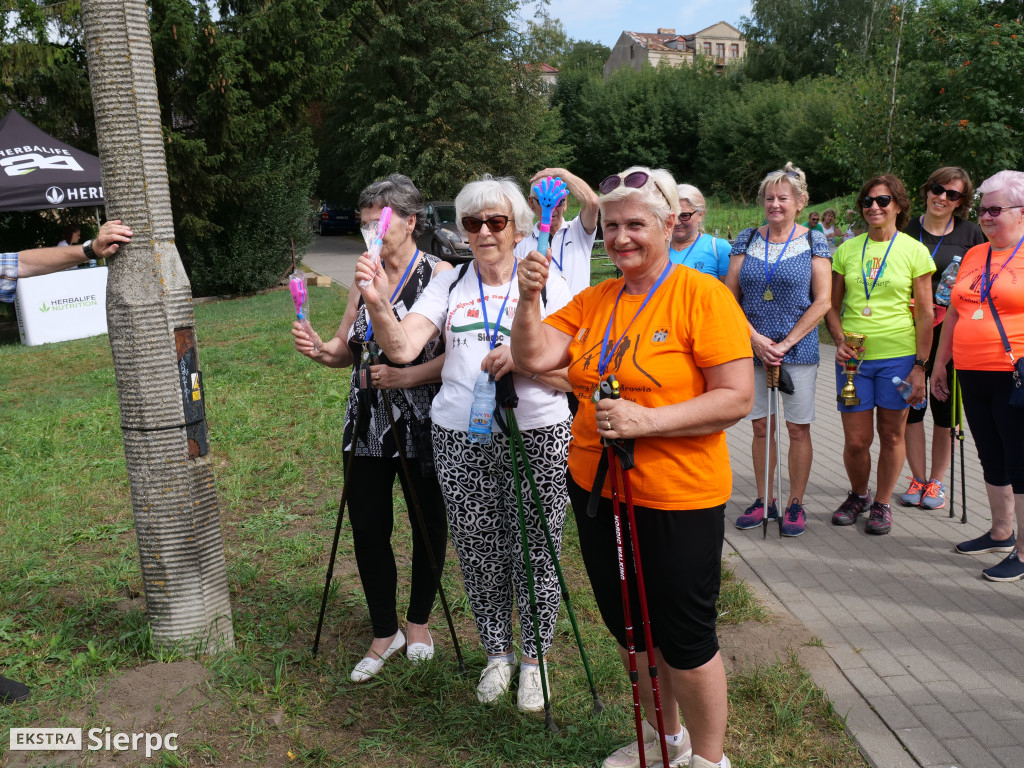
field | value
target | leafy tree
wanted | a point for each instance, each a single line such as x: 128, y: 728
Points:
x: 585, y: 56
x: 546, y: 41
x: 434, y: 89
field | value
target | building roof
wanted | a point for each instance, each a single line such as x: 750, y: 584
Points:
x: 661, y: 41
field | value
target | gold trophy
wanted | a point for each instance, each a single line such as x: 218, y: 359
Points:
x: 848, y: 395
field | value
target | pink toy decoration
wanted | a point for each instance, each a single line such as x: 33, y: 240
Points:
x: 375, y: 246
x: 297, y: 285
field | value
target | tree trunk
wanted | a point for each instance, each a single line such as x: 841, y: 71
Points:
x: 152, y: 337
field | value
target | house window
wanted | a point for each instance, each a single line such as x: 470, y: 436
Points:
x: 631, y: 51
x: 720, y: 50
x: 707, y: 49
x: 734, y: 51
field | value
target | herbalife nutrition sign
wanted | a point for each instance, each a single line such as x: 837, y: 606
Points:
x: 37, y: 171
x: 62, y: 306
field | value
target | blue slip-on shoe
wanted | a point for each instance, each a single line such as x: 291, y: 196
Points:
x: 1011, y: 569
x: 985, y: 544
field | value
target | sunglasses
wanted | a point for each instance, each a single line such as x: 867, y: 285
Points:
x: 951, y: 194
x: 882, y: 200
x: 634, y: 180
x: 495, y: 223
x: 995, y: 210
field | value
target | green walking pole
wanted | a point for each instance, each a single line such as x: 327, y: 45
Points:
x: 956, y: 433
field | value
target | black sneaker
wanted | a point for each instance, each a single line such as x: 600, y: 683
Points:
x: 880, y: 519
x: 849, y: 509
x: 12, y: 691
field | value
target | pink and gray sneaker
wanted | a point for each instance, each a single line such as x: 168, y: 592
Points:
x: 754, y: 515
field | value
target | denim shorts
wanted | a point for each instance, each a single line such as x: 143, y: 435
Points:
x: 874, y: 384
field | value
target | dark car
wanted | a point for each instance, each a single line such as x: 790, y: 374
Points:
x: 441, y: 237
x: 336, y: 219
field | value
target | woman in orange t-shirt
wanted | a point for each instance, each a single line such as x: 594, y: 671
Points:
x: 678, y: 344
x: 990, y: 276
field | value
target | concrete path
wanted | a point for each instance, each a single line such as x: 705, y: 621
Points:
x: 335, y: 256
x: 930, y: 655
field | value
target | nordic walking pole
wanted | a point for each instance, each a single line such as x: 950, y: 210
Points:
x: 517, y: 436
x: 422, y: 524
x: 614, y: 465
x: 776, y: 397
x: 549, y: 721
x: 958, y: 398
x: 337, y: 528
x: 952, y: 446
x: 771, y: 376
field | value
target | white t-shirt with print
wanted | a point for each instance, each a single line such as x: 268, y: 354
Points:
x: 570, y: 246
x: 460, y: 318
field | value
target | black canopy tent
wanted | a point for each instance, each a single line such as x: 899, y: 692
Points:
x: 37, y: 171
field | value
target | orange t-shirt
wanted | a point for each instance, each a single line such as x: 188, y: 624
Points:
x: 691, y: 322
x: 977, y: 345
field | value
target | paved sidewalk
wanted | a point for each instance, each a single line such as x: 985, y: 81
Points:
x: 935, y: 652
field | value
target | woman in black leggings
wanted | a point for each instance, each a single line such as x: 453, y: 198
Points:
x: 368, y: 432
x: 984, y: 330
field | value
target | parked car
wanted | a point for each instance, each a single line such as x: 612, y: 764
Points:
x: 333, y: 219
x: 441, y: 237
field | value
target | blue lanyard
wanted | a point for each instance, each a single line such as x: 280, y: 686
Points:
x: 881, y: 268
x: 607, y: 354
x: 399, y: 287
x: 561, y: 251
x: 986, y: 282
x: 769, y: 275
x: 493, y: 340
x: 682, y: 259
x: 920, y: 235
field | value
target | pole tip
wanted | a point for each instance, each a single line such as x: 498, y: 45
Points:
x: 598, y: 705
x: 549, y: 722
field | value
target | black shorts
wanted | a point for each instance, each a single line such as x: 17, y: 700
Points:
x: 996, y: 426
x: 681, y: 553
x: 942, y: 412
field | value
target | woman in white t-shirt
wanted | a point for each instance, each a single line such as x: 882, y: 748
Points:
x: 473, y: 307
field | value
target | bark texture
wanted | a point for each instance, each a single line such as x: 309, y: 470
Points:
x: 177, y: 522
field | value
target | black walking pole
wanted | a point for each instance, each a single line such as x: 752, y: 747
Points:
x: 337, y: 528
x: 771, y: 374
x: 958, y: 404
x: 517, y: 436
x: 418, y: 514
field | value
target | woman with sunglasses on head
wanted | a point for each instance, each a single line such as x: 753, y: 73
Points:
x: 875, y: 277
x: 677, y: 344
x: 691, y: 246
x: 412, y: 385
x: 988, y: 295
x: 472, y: 307
x: 947, y: 234
x: 781, y: 275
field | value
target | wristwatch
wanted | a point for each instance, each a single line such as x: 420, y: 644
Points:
x: 920, y: 362
x: 90, y: 254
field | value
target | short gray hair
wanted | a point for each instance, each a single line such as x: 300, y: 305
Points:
x: 398, y: 193
x: 1010, y: 182
x: 494, y: 192
x: 695, y: 198
x: 661, y: 197
x: 791, y: 174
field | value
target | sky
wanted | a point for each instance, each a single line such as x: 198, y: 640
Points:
x: 602, y: 21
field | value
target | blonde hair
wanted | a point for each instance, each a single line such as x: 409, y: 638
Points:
x: 694, y: 197
x: 790, y: 174
x: 661, y: 197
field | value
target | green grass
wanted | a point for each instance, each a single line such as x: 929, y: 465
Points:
x: 72, y: 614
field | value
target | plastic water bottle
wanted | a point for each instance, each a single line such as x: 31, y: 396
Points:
x: 945, y: 289
x: 482, y: 413
x: 905, y: 389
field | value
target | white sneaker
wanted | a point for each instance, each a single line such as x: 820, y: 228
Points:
x: 699, y: 762
x: 629, y: 755
x: 531, y: 695
x: 494, y: 680
x: 417, y: 652
x: 370, y: 666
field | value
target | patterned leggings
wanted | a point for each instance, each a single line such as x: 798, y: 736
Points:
x: 483, y: 521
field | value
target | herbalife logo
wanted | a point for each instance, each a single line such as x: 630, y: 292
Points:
x: 55, y: 195
x: 71, y: 302
x: 43, y: 307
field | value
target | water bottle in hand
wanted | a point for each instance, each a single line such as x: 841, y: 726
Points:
x: 905, y: 390
x: 481, y: 414
x: 945, y: 289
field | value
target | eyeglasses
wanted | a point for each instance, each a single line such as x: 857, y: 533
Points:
x: 882, y: 200
x: 995, y: 210
x: 494, y: 223
x: 951, y: 194
x: 685, y: 215
x: 634, y: 180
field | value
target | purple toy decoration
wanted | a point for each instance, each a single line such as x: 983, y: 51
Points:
x: 297, y: 285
